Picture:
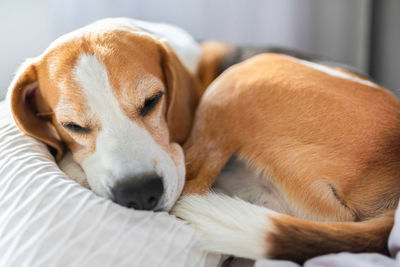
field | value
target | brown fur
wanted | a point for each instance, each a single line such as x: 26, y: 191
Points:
x: 210, y: 65
x: 25, y: 109
x: 138, y: 66
x: 219, y: 56
x: 330, y: 145
x: 298, y: 240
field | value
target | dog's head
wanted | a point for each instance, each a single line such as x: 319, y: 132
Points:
x: 121, y: 101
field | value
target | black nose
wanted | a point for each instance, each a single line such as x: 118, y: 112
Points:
x: 139, y: 193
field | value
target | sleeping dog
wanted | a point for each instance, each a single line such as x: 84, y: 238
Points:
x: 318, y: 148
x: 302, y: 139
x: 120, y: 95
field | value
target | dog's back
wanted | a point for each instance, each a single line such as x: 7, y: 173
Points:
x: 219, y: 56
x: 329, y: 140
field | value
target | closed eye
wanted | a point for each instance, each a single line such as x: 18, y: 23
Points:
x: 73, y: 127
x: 150, y: 103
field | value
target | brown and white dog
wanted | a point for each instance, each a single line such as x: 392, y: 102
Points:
x: 313, y: 142
x: 317, y: 148
x: 120, y: 94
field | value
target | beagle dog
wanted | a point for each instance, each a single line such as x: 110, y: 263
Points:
x: 316, y: 143
x: 119, y: 94
x: 314, y: 150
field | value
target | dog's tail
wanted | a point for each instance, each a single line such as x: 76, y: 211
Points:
x: 235, y: 227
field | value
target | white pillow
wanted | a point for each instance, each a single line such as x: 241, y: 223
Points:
x: 48, y: 220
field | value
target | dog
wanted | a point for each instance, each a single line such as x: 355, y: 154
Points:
x: 314, y: 150
x: 119, y: 95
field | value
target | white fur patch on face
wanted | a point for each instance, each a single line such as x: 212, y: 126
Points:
x: 335, y: 73
x: 123, y: 149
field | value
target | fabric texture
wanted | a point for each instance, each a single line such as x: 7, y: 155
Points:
x: 48, y: 220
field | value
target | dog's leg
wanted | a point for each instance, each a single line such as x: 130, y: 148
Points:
x: 207, y: 150
x: 204, y: 161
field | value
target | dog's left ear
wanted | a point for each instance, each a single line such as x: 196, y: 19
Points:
x: 183, y: 92
x: 25, y: 99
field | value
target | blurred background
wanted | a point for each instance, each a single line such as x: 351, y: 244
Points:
x: 361, y: 33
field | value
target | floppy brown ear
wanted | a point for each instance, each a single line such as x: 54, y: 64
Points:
x: 25, y: 100
x: 183, y: 92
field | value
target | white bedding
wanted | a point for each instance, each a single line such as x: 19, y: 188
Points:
x: 48, y: 220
